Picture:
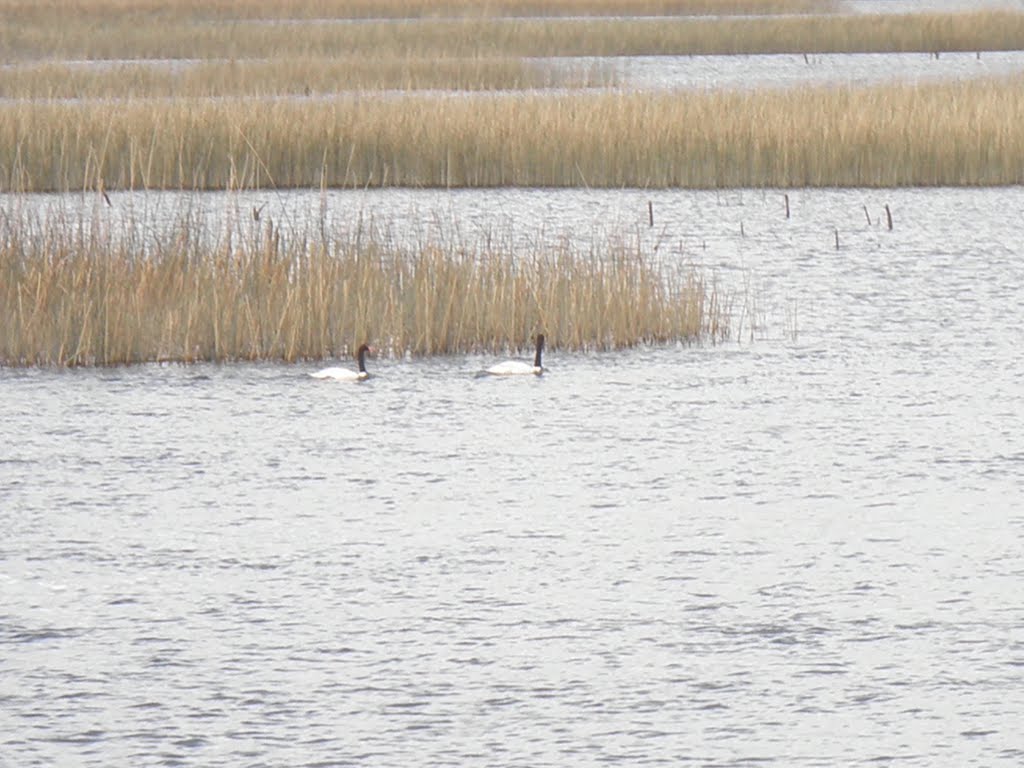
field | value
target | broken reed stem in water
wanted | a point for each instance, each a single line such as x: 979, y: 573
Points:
x: 80, y: 296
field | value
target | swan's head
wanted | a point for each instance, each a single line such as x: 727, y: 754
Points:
x: 361, y: 357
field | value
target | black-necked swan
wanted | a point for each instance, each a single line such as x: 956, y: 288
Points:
x: 345, y: 374
x: 518, y: 367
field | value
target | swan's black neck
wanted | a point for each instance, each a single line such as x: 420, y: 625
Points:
x: 362, y: 358
x: 540, y: 348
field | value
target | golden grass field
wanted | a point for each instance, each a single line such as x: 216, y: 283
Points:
x: 299, y: 76
x: 56, y: 11
x: 271, y: 104
x: 893, y: 135
x: 81, y: 295
x: 126, y: 37
x: 129, y: 124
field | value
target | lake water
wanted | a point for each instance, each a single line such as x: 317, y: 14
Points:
x: 802, y: 547
x: 788, y: 70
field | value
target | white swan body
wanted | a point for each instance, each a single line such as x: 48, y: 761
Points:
x: 518, y: 367
x: 340, y: 374
x: 346, y: 374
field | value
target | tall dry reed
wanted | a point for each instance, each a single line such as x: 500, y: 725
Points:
x: 80, y: 295
x: 935, y: 134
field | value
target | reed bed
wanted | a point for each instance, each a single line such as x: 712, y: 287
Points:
x: 301, y: 76
x: 57, y: 11
x: 466, y: 38
x: 899, y: 135
x: 78, y: 295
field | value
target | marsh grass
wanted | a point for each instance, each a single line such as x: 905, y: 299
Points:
x: 127, y: 38
x: 55, y: 11
x: 301, y: 76
x: 77, y: 294
x: 934, y: 134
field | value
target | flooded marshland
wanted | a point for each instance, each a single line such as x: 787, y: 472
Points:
x: 799, y: 545
x: 796, y: 547
x: 551, y: 75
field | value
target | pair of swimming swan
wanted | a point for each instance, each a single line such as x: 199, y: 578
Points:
x: 507, y: 368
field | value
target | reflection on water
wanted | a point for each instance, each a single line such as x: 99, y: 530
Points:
x: 799, y: 550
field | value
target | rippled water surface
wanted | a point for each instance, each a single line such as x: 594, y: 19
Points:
x: 788, y: 70
x: 799, y: 548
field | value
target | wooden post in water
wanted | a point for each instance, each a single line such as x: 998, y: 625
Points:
x: 888, y: 216
x: 650, y: 213
x: 837, y: 238
x: 787, y: 204
x: 867, y: 215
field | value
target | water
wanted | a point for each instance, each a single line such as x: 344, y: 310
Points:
x: 787, y: 70
x: 800, y: 548
x: 929, y: 6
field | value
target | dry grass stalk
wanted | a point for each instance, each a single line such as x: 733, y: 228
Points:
x: 78, y: 295
x: 884, y: 136
x: 126, y: 38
